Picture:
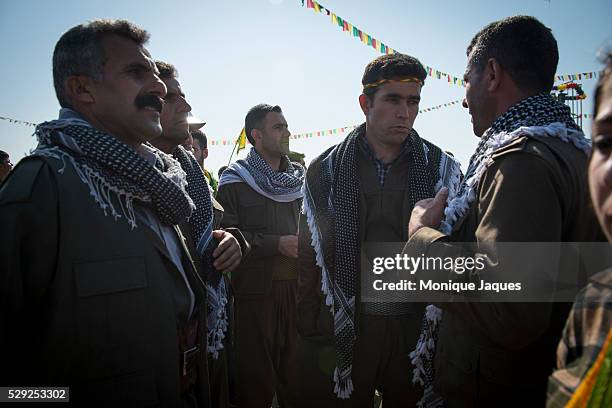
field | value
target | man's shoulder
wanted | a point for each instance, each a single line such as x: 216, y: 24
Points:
x: 546, y: 148
x: 316, y: 162
x: 19, y: 185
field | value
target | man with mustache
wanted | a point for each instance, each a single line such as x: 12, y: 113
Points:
x: 98, y: 291
x: 261, y: 196
x: 524, y: 183
x: 361, y: 191
x: 224, y: 250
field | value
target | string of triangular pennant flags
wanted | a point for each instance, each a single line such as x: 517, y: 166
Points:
x: 383, y: 48
x: 370, y: 41
x: 21, y: 122
x: 328, y: 132
x: 577, y: 77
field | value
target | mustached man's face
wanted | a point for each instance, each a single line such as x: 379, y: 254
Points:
x: 127, y: 101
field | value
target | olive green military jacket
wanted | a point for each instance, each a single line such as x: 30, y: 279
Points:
x: 86, y: 301
x: 500, y: 354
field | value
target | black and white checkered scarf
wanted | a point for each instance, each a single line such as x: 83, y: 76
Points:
x: 281, y: 186
x: 110, y: 169
x: 331, y: 206
x: 201, y: 221
x: 539, y: 116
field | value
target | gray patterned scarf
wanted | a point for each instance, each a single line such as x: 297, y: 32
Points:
x: 110, y: 169
x: 282, y: 186
x: 202, y: 221
x: 331, y: 206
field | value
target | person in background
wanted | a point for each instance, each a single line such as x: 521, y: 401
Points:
x: 5, y: 165
x: 262, y: 196
x: 200, y: 151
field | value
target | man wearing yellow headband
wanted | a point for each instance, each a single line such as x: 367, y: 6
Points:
x: 359, y: 191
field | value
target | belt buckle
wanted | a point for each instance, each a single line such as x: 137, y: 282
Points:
x: 187, y: 357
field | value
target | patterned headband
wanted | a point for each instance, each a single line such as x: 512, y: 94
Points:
x: 384, y: 81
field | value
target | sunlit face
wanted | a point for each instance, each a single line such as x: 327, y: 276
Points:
x: 390, y: 113
x: 477, y: 100
x: 275, y: 135
x: 127, y: 101
x: 175, y: 112
x: 600, y: 165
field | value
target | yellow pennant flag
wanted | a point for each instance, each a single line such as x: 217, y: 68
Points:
x: 241, y: 140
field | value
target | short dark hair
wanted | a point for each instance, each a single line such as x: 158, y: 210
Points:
x: 256, y: 116
x: 166, y: 71
x: 79, y: 51
x: 392, y: 66
x: 221, y: 170
x: 3, y: 156
x: 200, y: 136
x: 523, y: 46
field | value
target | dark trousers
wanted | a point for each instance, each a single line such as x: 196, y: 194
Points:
x: 265, y: 346
x: 381, y: 362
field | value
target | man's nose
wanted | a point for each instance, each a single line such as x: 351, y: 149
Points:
x: 464, y: 103
x: 158, y: 87
x: 185, y: 106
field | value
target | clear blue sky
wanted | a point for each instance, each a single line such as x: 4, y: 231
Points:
x: 234, y: 54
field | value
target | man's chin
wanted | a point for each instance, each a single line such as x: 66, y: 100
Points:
x: 151, y: 132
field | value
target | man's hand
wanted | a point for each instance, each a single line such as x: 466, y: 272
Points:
x: 288, y: 245
x: 428, y: 212
x: 228, y: 254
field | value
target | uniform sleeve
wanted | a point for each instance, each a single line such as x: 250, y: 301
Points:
x: 261, y: 245
x: 28, y: 254
x: 518, y: 202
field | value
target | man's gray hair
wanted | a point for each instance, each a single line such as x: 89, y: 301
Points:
x: 79, y: 51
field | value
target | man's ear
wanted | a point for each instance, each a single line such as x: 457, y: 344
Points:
x: 364, y: 103
x: 493, y: 72
x: 80, y: 88
x: 256, y: 135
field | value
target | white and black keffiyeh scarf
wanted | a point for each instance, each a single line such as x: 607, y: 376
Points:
x: 111, y: 169
x: 281, y: 186
x: 536, y: 116
x: 201, y: 221
x: 331, y: 206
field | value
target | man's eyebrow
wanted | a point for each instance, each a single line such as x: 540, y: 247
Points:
x: 399, y: 96
x: 137, y: 65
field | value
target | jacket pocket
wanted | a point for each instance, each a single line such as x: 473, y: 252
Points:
x: 111, y: 307
x: 109, y: 276
x: 252, y: 213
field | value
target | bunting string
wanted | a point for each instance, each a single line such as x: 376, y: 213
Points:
x: 21, y: 122
x: 370, y: 41
x: 383, y: 48
x: 577, y: 77
x: 328, y: 132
